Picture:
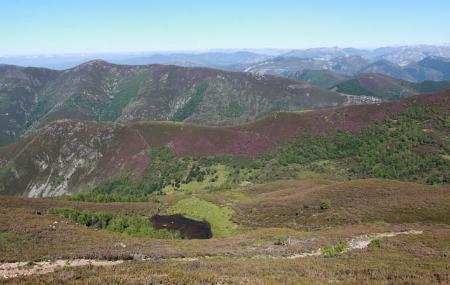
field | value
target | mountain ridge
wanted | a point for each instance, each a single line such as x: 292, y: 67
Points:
x: 385, y: 87
x: 99, y: 90
x: 70, y: 156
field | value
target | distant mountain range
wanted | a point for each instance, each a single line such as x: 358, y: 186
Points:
x: 101, y: 91
x: 205, y: 59
x: 429, y: 68
x: 229, y: 59
x: 210, y: 59
x: 289, y: 66
x: 402, y: 55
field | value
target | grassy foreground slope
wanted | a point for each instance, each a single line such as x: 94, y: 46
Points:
x: 358, y: 201
x: 271, y: 221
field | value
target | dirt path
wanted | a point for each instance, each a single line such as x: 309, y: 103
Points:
x: 15, y: 269
x: 363, y: 241
x: 358, y: 242
x: 11, y: 270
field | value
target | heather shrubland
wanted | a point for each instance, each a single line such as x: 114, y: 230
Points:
x: 406, y: 147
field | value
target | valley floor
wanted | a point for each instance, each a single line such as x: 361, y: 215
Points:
x: 273, y: 233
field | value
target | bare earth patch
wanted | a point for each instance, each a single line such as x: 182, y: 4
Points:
x: 359, y: 242
x: 16, y: 269
x: 364, y: 240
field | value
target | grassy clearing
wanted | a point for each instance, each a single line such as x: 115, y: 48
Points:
x: 216, y: 179
x: 218, y: 217
x: 224, y: 197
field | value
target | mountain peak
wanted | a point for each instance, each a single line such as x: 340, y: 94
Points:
x: 95, y: 63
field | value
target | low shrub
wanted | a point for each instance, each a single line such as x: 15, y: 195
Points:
x: 132, y: 225
x: 332, y: 251
x: 376, y: 243
x: 325, y: 204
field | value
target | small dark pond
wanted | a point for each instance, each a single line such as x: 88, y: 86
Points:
x: 188, y: 228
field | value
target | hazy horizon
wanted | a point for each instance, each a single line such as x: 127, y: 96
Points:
x: 48, y: 27
x: 212, y: 50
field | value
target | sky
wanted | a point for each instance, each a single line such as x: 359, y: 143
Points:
x: 98, y: 26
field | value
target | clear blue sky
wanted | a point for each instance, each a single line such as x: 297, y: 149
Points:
x: 66, y: 26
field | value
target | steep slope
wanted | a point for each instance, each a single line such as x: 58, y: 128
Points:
x: 385, y: 87
x: 101, y: 91
x: 426, y: 68
x: 321, y: 78
x: 376, y: 85
x: 405, y: 55
x: 70, y: 156
x: 19, y: 97
x: 213, y: 97
x: 387, y: 68
x: 430, y: 68
x: 431, y: 86
x: 440, y: 64
x: 348, y: 65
